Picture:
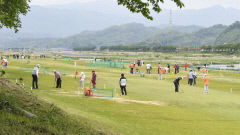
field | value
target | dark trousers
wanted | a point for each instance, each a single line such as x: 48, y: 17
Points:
x: 123, y: 89
x: 131, y: 71
x: 194, y: 80
x: 191, y: 81
x: 176, y: 87
x: 175, y: 71
x: 35, y: 81
x: 59, y: 81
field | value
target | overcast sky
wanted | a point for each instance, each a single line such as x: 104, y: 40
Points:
x: 189, y: 4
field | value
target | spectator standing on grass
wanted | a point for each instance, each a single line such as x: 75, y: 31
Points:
x: 198, y: 68
x: 159, y: 67
x: 58, y: 78
x: 176, y: 84
x: 82, y: 78
x: 4, y: 63
x: 204, y: 70
x: 194, y: 77
x: 178, y: 68
x: 137, y: 69
x: 148, y: 68
x: 94, y: 79
x: 160, y: 74
x: 123, y: 84
x: 168, y: 68
x: 190, y: 77
x: 186, y: 66
x: 175, y: 67
x: 206, y: 80
x: 35, y: 77
x: 131, y: 68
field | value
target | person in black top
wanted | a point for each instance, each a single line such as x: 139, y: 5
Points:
x: 123, y: 83
x: 176, y: 83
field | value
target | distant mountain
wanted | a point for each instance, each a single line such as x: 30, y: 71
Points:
x: 230, y: 34
x: 115, y: 35
x: 131, y: 34
x: 207, y: 36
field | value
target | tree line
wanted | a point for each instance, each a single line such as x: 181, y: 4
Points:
x: 85, y: 48
x: 168, y: 48
x: 228, y: 48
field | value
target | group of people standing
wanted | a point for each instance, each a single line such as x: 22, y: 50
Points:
x: 58, y: 78
x: 192, y: 76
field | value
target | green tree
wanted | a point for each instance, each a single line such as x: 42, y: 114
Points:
x: 10, y: 11
x: 143, y: 6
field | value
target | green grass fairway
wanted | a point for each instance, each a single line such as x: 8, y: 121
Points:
x: 151, y: 107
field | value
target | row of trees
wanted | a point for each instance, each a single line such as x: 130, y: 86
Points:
x: 231, y: 48
x: 169, y: 48
x: 85, y: 48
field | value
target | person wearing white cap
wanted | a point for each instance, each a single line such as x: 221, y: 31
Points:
x: 82, y: 78
x: 35, y: 76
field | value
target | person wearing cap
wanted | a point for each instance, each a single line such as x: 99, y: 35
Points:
x: 176, y: 83
x: 123, y: 83
x: 58, y: 78
x: 190, y: 77
x: 94, y: 79
x: 82, y: 78
x: 35, y: 76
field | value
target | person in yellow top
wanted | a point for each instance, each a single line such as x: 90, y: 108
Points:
x: 206, y: 81
x: 204, y: 70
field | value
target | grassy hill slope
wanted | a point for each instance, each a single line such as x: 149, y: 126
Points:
x: 16, y: 105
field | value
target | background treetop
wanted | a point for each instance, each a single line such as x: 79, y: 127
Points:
x: 144, y: 6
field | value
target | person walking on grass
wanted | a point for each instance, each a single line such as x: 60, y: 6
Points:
x: 176, y: 84
x: 58, y: 78
x: 82, y: 78
x: 190, y: 77
x: 206, y: 80
x: 35, y: 76
x: 123, y: 84
x: 94, y: 79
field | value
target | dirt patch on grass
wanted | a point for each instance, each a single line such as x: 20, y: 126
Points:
x: 122, y: 100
